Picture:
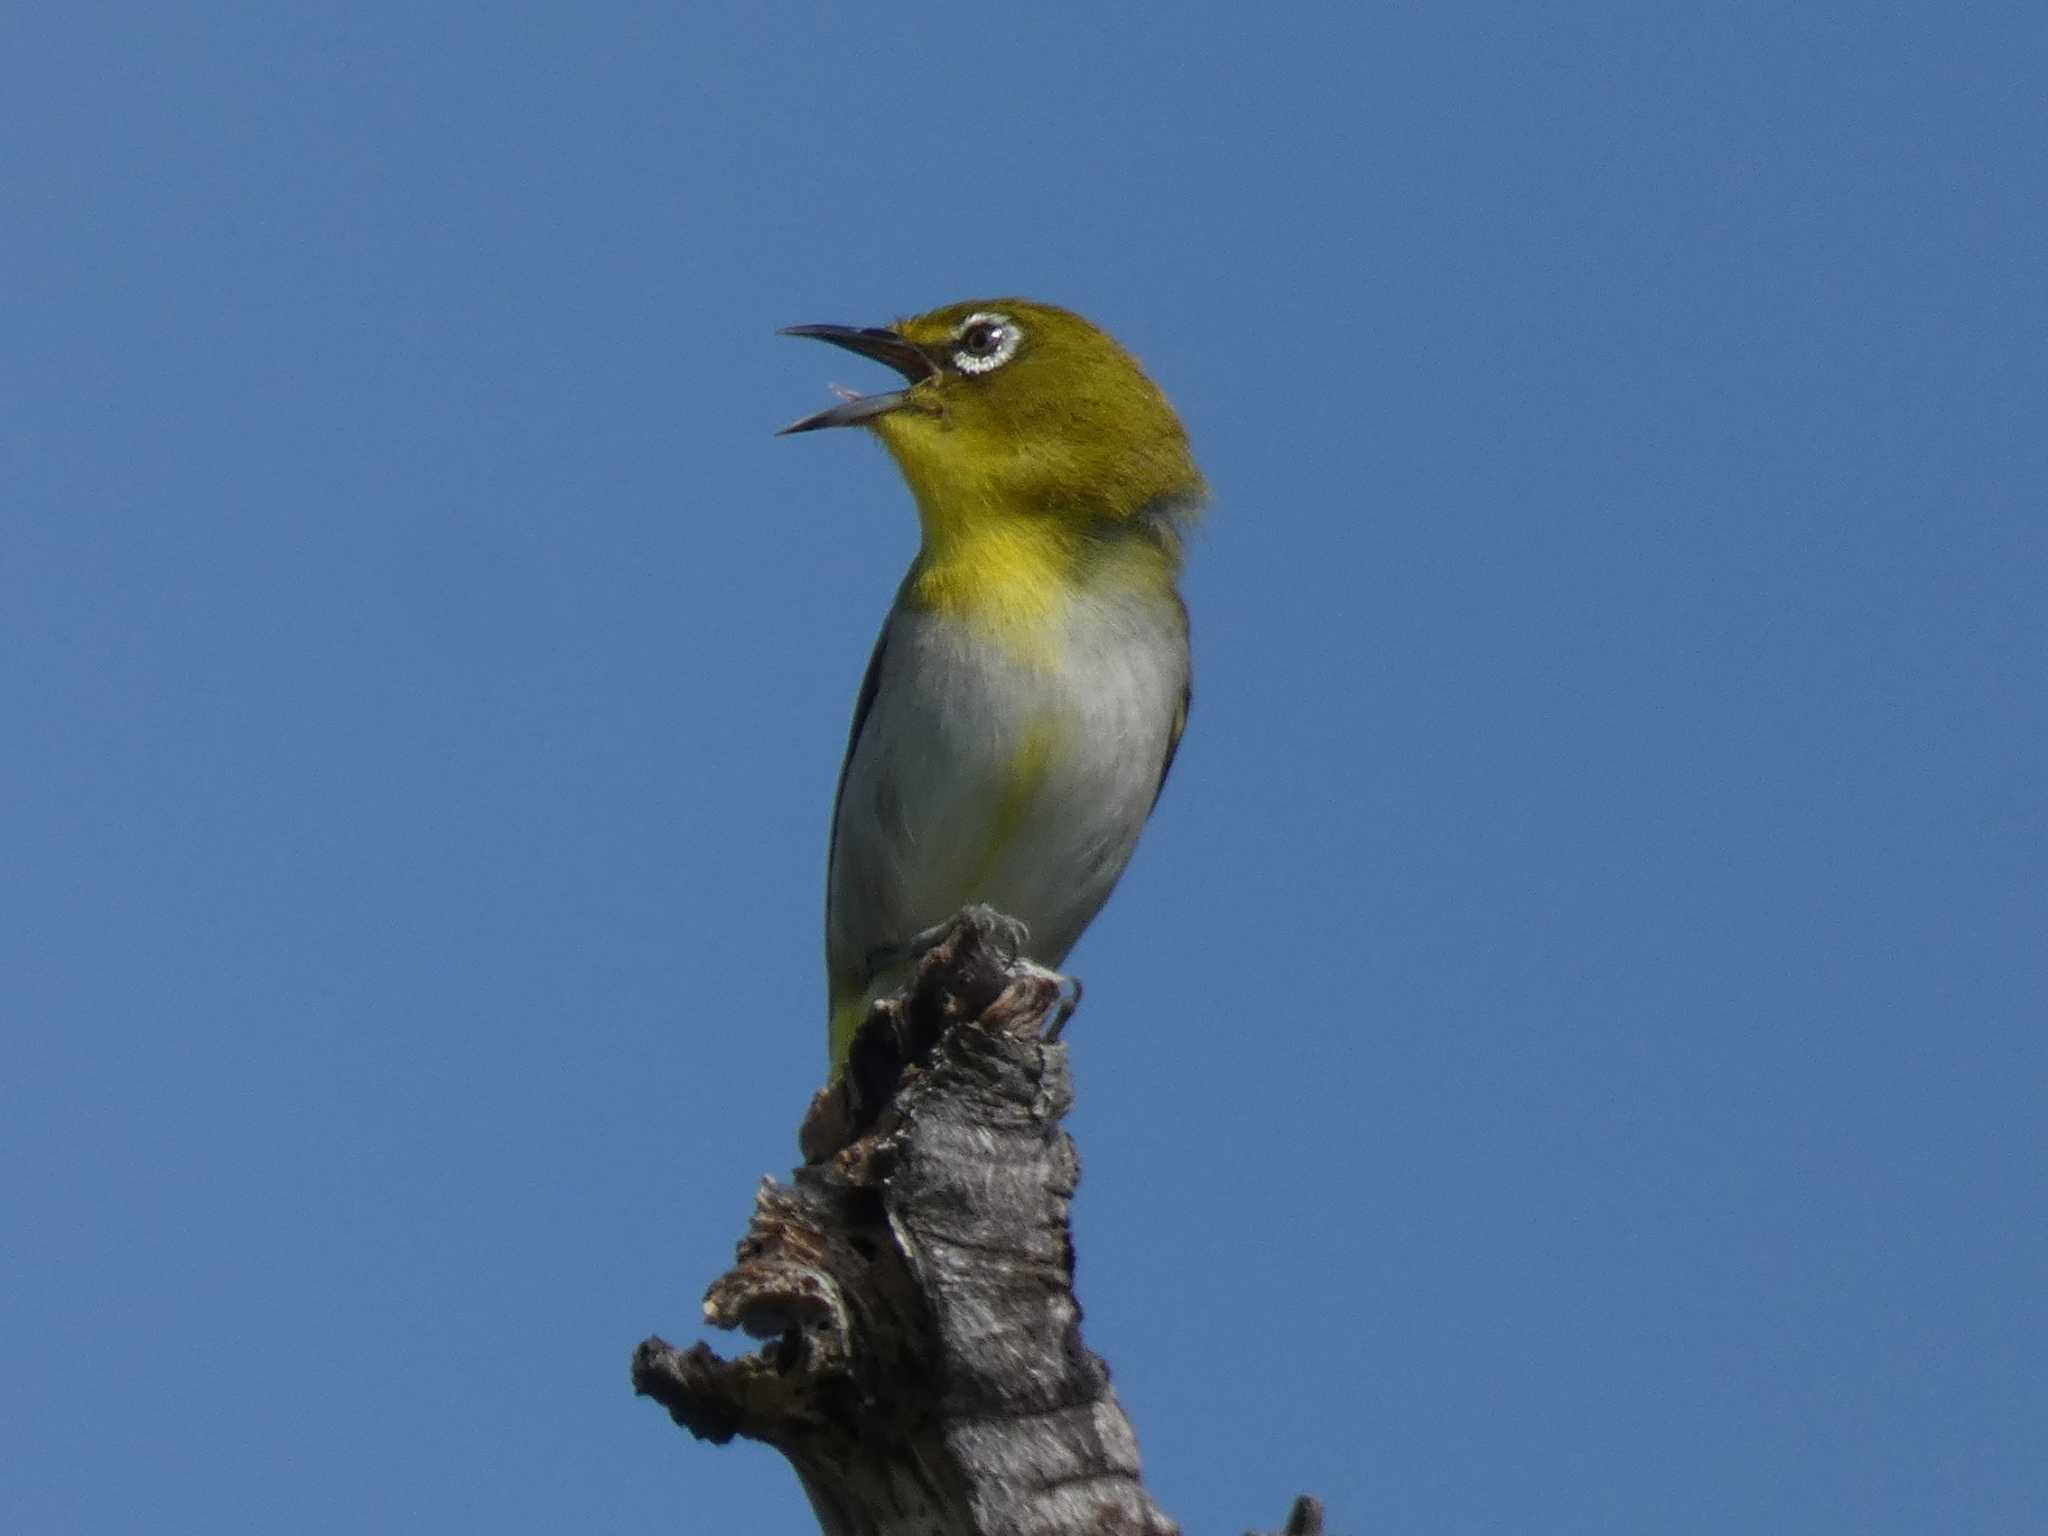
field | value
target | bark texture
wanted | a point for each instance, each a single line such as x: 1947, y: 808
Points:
x: 923, y: 1369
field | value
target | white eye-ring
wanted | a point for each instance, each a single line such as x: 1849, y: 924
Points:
x: 987, y: 340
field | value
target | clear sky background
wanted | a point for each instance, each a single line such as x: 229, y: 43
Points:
x: 1569, y: 1055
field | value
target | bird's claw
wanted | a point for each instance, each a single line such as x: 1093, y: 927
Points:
x: 1005, y: 932
x: 1070, y: 999
x: 999, y: 930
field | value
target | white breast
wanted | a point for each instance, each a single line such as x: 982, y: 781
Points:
x: 916, y: 834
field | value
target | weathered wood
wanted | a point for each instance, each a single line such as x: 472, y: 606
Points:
x: 923, y: 1368
x: 1304, y: 1519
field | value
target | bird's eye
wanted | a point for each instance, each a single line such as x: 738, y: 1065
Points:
x: 986, y: 341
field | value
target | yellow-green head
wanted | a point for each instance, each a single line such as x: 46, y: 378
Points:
x: 1015, y: 412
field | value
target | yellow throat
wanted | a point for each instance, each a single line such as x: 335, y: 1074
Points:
x: 1039, y: 453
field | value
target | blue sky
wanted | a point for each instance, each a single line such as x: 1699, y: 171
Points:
x: 1569, y: 1053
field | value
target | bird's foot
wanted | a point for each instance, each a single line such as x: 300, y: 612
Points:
x: 1008, y: 935
x: 1070, y: 999
x: 1004, y: 933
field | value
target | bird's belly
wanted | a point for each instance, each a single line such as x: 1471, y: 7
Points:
x: 985, y: 776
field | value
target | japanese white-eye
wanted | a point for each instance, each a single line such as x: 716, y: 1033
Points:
x: 1030, y: 685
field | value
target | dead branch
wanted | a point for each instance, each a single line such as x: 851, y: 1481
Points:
x: 923, y: 1368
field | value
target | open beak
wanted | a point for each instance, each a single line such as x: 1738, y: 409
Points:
x: 869, y: 341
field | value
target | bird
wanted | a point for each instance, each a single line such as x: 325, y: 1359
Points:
x: 1028, y: 691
